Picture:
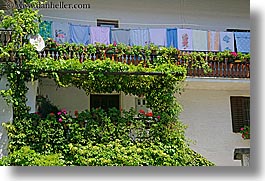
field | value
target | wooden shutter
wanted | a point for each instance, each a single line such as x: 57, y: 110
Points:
x: 240, y: 107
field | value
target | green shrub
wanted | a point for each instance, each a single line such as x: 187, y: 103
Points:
x: 100, y: 138
x: 28, y: 157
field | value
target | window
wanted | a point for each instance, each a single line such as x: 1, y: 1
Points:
x: 140, y: 104
x: 237, y: 30
x: 108, y: 23
x: 104, y: 101
x: 240, y: 111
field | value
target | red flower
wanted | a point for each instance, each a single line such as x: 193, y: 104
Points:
x: 76, y: 113
x: 52, y: 114
x: 149, y: 114
x: 233, y: 54
x: 141, y: 111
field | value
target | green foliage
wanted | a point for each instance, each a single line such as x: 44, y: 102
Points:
x: 94, y: 137
x: 141, y: 154
x: 99, y: 138
x: 28, y: 157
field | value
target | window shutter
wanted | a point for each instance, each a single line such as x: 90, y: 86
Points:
x: 239, y: 112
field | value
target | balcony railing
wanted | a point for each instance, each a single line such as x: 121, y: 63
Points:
x: 225, y: 68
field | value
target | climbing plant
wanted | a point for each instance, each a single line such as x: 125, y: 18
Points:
x: 158, y: 82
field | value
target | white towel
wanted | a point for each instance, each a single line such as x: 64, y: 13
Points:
x: 139, y: 37
x: 158, y: 36
x: 199, y: 40
x: 100, y: 35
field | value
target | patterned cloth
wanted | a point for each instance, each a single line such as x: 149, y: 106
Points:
x: 242, y: 41
x: 227, y: 41
x: 46, y: 29
x: 199, y: 40
x: 213, y: 41
x: 79, y: 34
x: 185, y: 39
x: 60, y: 32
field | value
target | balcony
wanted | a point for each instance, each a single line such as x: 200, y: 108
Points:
x: 224, y: 67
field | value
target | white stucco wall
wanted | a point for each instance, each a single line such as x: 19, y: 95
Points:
x: 197, y: 14
x: 6, y: 115
x: 6, y: 110
x: 31, y: 95
x: 72, y: 98
x: 207, y: 113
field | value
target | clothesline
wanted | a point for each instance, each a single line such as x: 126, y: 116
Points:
x: 140, y: 24
x: 181, y: 38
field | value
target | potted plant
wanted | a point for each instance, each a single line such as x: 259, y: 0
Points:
x: 245, y: 131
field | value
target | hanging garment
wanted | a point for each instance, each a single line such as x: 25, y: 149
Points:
x: 79, y: 34
x: 199, y: 40
x: 120, y: 36
x: 185, y: 39
x: 158, y: 36
x: 213, y: 41
x: 242, y: 41
x: 60, y: 32
x: 139, y: 37
x: 227, y: 41
x: 45, y: 29
x: 172, y: 40
x: 100, y: 35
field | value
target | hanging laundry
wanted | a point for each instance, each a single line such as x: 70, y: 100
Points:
x: 185, y: 39
x: 100, y: 35
x: 158, y: 36
x: 45, y: 29
x: 172, y: 40
x: 79, y: 34
x: 213, y: 41
x: 139, y: 37
x: 242, y: 41
x: 227, y: 41
x: 199, y: 40
x: 120, y: 36
x: 60, y: 32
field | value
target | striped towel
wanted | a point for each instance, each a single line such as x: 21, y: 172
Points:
x: 213, y: 41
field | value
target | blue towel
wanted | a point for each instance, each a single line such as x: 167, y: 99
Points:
x: 172, y: 39
x: 242, y: 41
x: 79, y: 34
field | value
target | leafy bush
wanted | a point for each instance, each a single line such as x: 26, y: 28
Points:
x: 28, y: 157
x: 97, y: 138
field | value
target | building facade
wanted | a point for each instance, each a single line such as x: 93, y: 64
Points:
x: 206, y: 101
